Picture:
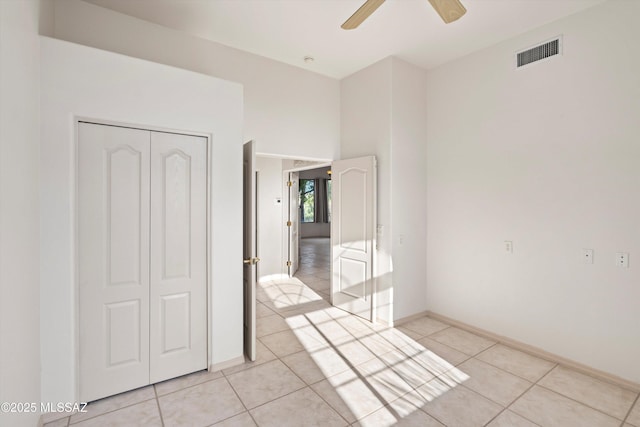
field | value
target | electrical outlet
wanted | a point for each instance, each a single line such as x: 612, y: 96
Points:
x: 508, y: 246
x: 587, y: 256
x: 622, y: 259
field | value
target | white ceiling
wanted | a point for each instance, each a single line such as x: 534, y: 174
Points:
x: 289, y: 30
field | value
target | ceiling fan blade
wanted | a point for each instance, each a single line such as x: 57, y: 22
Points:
x: 449, y: 10
x: 361, y: 14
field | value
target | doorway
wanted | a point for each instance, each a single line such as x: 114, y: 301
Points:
x: 313, y: 214
x: 337, y: 262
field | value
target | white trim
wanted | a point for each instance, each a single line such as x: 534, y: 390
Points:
x: 407, y: 319
x: 284, y: 253
x: 308, y: 167
x: 291, y: 157
x: 76, y: 264
x: 209, y: 291
x: 543, y: 354
x: 285, y: 196
x: 227, y: 364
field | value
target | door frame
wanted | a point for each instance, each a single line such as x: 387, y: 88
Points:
x: 293, y: 234
x: 286, y: 241
x: 249, y: 248
x: 76, y: 119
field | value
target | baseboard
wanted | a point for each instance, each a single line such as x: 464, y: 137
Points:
x: 384, y: 322
x: 226, y: 364
x: 543, y: 354
x: 399, y: 322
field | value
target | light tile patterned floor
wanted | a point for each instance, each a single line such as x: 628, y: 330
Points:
x: 319, y: 366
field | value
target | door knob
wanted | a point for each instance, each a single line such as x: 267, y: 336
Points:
x: 252, y: 261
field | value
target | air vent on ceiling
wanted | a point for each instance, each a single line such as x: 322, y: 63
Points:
x: 537, y: 53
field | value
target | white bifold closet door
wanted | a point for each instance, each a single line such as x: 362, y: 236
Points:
x: 142, y: 257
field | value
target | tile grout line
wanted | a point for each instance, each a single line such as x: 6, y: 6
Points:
x: 155, y: 392
x: 454, y: 367
x: 376, y: 356
x: 513, y: 373
x: 466, y: 388
x: 533, y: 384
x: 556, y: 365
x: 186, y: 386
x: 595, y: 377
x: 577, y: 369
x: 504, y: 408
x: 469, y: 357
x: 329, y: 404
x: 635, y: 402
x: 446, y: 345
x: 577, y: 401
x: 420, y: 408
x: 352, y: 367
x: 112, y: 410
x: 239, y: 399
x: 287, y: 394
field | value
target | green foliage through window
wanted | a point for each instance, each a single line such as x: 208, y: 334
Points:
x: 315, y: 200
x: 307, y: 200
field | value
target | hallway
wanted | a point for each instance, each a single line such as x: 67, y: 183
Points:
x: 315, y: 265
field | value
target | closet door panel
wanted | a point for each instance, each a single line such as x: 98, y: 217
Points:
x: 113, y: 254
x: 178, y: 341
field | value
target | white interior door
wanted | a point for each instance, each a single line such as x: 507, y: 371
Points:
x: 250, y: 249
x: 142, y: 271
x: 178, y: 264
x: 353, y: 233
x: 294, y: 222
x: 113, y: 255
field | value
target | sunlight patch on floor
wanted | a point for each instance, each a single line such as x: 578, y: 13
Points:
x: 367, y: 366
x: 372, y: 373
x: 288, y: 293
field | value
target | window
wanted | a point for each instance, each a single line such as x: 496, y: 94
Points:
x: 315, y: 200
x: 308, y: 200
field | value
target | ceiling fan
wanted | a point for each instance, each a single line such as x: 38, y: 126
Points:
x: 449, y: 11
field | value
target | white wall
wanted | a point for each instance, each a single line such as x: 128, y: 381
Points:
x: 366, y: 131
x: 19, y: 208
x: 288, y: 110
x: 82, y: 81
x: 384, y: 113
x: 546, y: 156
x: 408, y: 187
x: 270, y: 216
x: 315, y: 229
